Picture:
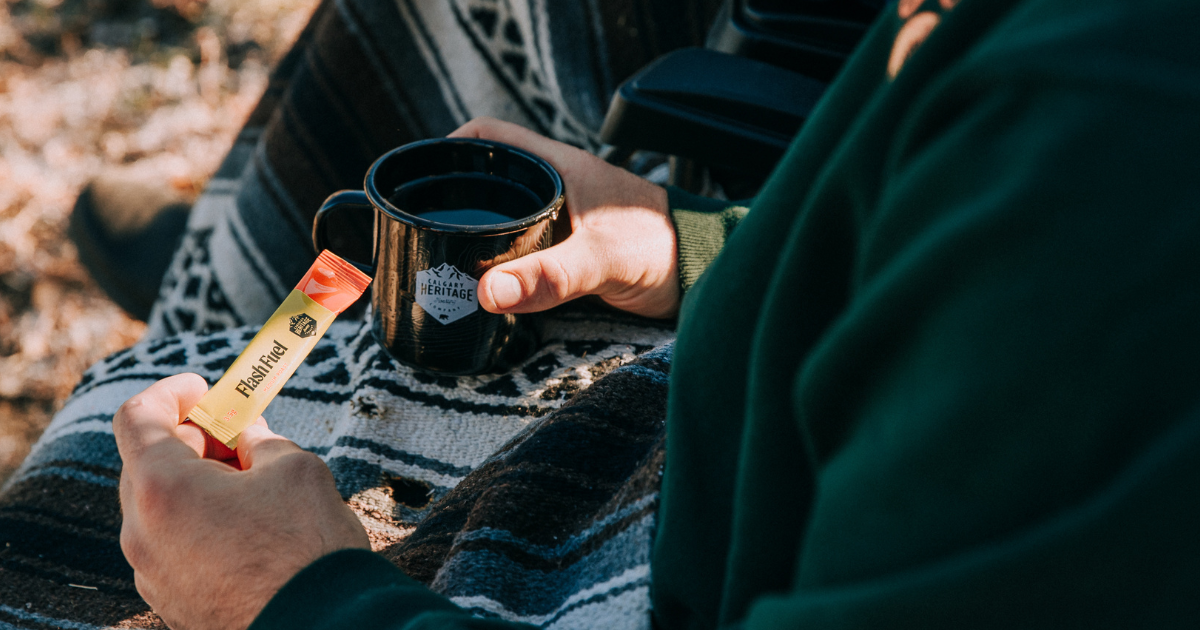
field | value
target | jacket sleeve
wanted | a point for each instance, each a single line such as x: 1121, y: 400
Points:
x: 360, y: 590
x: 701, y: 227
x: 1005, y: 421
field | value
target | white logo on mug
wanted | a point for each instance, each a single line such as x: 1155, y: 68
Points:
x: 446, y: 293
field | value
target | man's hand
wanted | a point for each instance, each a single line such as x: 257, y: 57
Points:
x: 210, y: 544
x: 620, y: 241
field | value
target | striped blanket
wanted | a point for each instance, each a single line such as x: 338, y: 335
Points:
x: 527, y: 495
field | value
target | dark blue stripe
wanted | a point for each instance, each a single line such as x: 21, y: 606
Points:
x: 280, y: 242
x: 72, y: 464
x: 412, y: 459
x: 323, y: 143
x: 17, y: 566
x: 600, y: 597
x: 577, y: 64
x: 316, y: 395
x: 595, y: 599
x: 287, y: 245
x: 403, y: 66
x: 82, y: 523
x: 52, y: 545
x: 530, y: 591
x: 106, y: 417
x: 326, y: 106
x: 91, y: 448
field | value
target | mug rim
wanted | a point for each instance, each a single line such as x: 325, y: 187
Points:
x: 549, y: 210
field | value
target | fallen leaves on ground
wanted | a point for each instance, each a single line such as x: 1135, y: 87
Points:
x: 156, y: 88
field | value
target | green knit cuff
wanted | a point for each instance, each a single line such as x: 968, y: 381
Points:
x: 701, y: 227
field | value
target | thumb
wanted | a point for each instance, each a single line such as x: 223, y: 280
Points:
x: 258, y: 445
x: 151, y: 417
x: 544, y: 279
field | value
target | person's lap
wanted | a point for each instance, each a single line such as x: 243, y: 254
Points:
x: 408, y: 451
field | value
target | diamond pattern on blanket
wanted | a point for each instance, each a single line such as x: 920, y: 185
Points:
x: 191, y: 297
x: 500, y: 34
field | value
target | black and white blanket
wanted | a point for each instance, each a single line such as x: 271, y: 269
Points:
x: 528, y: 495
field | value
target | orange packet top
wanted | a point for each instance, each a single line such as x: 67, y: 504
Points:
x: 333, y: 282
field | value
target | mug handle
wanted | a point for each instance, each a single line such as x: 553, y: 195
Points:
x: 337, y: 202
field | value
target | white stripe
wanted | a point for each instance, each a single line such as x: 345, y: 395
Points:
x: 394, y: 466
x: 105, y: 399
x: 222, y: 186
x: 431, y: 62
x: 208, y: 208
x: 455, y: 437
x: 545, y: 56
x: 235, y: 223
x: 481, y: 92
x: 486, y: 603
x: 231, y: 269
x: 92, y: 426
x: 629, y: 610
x: 633, y: 574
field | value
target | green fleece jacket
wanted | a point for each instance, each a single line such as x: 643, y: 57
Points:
x: 946, y: 371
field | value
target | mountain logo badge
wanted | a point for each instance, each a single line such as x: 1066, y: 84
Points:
x: 446, y: 293
x: 302, y: 325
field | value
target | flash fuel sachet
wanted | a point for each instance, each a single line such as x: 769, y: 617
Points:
x: 256, y: 376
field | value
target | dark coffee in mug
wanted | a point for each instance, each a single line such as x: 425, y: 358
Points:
x: 446, y: 211
x: 466, y: 199
x: 465, y: 217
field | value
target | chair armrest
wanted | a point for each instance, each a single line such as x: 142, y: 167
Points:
x: 715, y: 108
x: 812, y: 37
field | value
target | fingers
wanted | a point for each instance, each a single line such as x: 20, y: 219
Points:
x: 543, y: 279
x: 150, y: 417
x: 621, y: 244
x: 561, y: 156
x: 203, y: 444
x: 258, y: 445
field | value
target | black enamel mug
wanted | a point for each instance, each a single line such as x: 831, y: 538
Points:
x: 444, y: 212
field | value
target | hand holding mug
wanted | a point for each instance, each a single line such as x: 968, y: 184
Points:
x: 445, y: 211
x: 464, y: 243
x: 620, y: 241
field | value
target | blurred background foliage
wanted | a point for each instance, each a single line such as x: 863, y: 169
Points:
x: 154, y: 90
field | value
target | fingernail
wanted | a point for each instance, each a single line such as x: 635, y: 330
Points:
x: 506, y: 290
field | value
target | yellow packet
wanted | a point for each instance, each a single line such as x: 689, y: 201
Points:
x: 256, y: 376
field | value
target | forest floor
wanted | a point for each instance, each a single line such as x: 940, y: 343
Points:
x: 153, y: 89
